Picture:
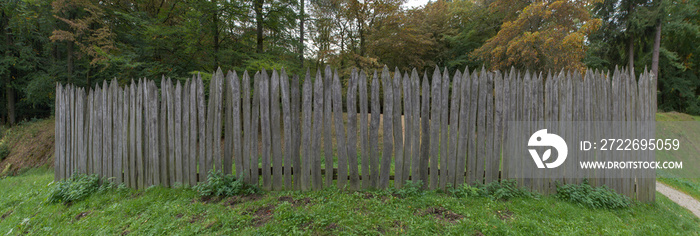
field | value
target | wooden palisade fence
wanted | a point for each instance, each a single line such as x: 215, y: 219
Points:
x: 285, y: 133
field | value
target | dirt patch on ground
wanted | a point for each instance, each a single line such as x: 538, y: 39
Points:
x: 505, y: 214
x: 400, y: 225
x: 211, y: 199
x: 31, y: 145
x: 235, y: 200
x: 306, y: 225
x: 261, y: 215
x: 81, y: 215
x: 478, y: 233
x: 197, y: 218
x: 331, y: 227
x: 443, y: 214
x: 6, y: 214
x: 295, y: 203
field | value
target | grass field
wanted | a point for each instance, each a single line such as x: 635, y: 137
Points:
x: 329, y: 212
x: 688, y: 132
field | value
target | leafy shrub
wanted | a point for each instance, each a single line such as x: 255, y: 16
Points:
x: 4, y: 151
x: 409, y: 189
x: 503, y: 190
x: 593, y: 197
x: 218, y: 184
x: 76, y: 188
x: 465, y: 190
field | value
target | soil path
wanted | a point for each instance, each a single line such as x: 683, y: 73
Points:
x: 680, y: 198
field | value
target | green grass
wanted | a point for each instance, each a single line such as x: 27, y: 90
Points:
x: 23, y: 209
x: 688, y: 132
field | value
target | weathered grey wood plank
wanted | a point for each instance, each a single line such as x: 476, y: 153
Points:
x: 507, y: 117
x: 328, y: 126
x: 454, y: 128
x: 462, y: 169
x: 117, y: 137
x: 228, y: 126
x: 398, y: 131
x: 153, y: 136
x: 340, y: 132
x: 307, y: 155
x: 177, y: 105
x: 163, y: 131
x: 352, y: 131
x: 288, y: 138
x: 247, y: 129
x: 192, y: 138
x: 275, y: 125
x: 425, y: 131
x: 498, y: 127
x: 415, y: 118
x: 80, y: 113
x: 185, y: 133
x: 106, y: 131
x: 435, y: 127
x: 254, y: 118
x: 140, y: 170
x: 388, y: 129
x: 148, y: 173
x: 126, y: 168
x: 69, y: 132
x: 473, y: 99
x: 170, y: 99
x: 265, y: 129
x: 317, y: 134
x: 88, y: 131
x: 218, y: 122
x: 408, y: 128
x: 296, y: 131
x: 58, y: 131
x: 548, y: 119
x: 481, y: 139
x: 208, y: 146
x: 373, y: 132
x: 444, y: 120
x: 364, y: 139
x: 490, y: 160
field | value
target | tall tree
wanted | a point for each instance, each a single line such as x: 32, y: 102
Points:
x: 545, y: 36
x: 86, y: 29
x: 302, y: 18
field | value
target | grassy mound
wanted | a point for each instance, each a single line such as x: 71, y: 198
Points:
x: 28, y: 145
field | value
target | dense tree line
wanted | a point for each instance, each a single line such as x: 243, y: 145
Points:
x: 85, y: 42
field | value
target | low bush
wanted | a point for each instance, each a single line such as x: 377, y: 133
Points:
x: 218, y: 184
x: 503, y: 190
x: 409, y: 189
x: 593, y: 197
x: 76, y: 188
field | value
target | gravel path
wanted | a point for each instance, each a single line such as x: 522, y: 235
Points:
x: 680, y: 198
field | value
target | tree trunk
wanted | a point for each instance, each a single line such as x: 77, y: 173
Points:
x: 301, y: 34
x: 655, y: 53
x: 215, y: 20
x: 631, y: 52
x: 69, y: 60
x: 9, y: 91
x: 259, y: 24
x: 10, y: 95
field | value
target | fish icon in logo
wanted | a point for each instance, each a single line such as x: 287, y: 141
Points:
x: 543, y: 139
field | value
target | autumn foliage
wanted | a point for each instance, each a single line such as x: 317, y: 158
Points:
x: 547, y: 35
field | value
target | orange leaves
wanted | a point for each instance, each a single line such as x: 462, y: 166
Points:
x: 544, y: 36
